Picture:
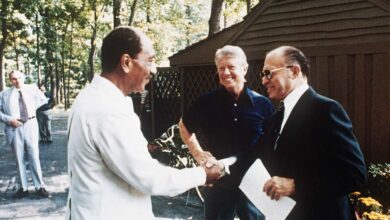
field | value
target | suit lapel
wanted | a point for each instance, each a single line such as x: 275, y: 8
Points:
x: 295, y: 120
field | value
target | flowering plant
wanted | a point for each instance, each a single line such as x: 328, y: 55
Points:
x: 378, y: 187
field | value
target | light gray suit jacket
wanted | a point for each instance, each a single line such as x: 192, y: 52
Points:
x: 34, y: 94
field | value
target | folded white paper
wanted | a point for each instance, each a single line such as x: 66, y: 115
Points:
x: 252, y: 186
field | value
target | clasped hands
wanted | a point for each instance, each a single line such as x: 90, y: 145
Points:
x: 214, y: 169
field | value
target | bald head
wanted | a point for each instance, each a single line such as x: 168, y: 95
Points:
x: 285, y: 69
x: 16, y: 78
x: 291, y: 55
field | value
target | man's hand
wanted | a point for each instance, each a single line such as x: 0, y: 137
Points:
x: 214, y: 170
x: 202, y: 157
x: 15, y: 123
x: 279, y: 186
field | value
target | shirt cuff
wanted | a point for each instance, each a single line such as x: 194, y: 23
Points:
x: 227, y: 162
x: 199, y: 175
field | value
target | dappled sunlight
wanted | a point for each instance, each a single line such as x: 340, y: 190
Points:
x: 58, y: 183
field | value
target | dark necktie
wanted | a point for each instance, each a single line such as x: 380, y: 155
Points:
x: 277, y: 123
x: 22, y: 108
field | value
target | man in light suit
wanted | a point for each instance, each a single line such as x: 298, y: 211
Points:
x: 21, y: 129
x: 112, y: 174
x: 309, y: 147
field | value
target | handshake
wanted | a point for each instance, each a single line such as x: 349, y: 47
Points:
x: 214, y: 169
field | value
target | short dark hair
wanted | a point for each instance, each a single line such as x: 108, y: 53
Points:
x: 121, y: 40
x: 294, y: 55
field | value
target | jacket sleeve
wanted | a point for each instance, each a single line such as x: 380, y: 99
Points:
x: 124, y: 151
x: 3, y: 116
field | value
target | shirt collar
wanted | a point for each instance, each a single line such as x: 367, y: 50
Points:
x: 291, y: 100
x: 244, y: 98
x: 107, y: 85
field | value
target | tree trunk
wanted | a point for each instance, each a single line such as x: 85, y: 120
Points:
x: 39, y: 76
x: 214, y: 21
x: 116, y: 12
x: 188, y: 14
x: 54, y: 73
x: 148, y: 7
x: 248, y: 6
x: 54, y: 84
x: 67, y: 84
x: 63, y: 90
x: 16, y: 51
x: 4, y: 32
x: 132, y: 12
x: 91, y: 71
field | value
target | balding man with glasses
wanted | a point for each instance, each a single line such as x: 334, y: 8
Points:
x: 309, y: 147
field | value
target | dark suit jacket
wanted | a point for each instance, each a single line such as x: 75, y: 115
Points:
x: 317, y: 148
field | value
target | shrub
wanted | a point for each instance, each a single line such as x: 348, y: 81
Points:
x: 378, y: 187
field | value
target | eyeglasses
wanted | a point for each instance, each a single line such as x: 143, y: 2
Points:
x: 268, y: 73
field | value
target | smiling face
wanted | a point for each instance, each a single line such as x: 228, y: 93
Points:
x: 143, y: 65
x: 231, y: 73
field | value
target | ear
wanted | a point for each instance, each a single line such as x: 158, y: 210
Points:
x: 245, y: 69
x: 126, y: 63
x: 296, y: 70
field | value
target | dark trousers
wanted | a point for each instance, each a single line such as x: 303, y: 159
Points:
x: 222, y: 204
x: 44, y: 122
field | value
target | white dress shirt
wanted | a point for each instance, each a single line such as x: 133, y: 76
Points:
x: 14, y: 102
x: 291, y: 100
x: 112, y: 174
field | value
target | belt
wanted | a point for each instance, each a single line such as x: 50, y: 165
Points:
x: 20, y: 120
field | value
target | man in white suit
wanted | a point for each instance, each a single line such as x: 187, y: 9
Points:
x: 18, y: 105
x: 112, y: 174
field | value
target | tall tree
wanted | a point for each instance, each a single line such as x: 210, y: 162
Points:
x: 94, y: 26
x: 116, y: 5
x: 4, y: 32
x: 214, y: 21
x: 132, y: 12
x: 248, y: 6
x: 38, y: 60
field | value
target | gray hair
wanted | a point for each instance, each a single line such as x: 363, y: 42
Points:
x: 231, y: 51
x: 16, y: 72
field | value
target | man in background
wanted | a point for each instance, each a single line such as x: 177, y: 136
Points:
x: 18, y: 105
x: 112, y: 174
x: 226, y: 122
x: 44, y: 118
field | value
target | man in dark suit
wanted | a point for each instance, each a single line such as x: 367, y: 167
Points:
x: 44, y: 118
x: 309, y: 147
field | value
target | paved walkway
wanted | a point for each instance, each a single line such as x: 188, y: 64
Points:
x: 54, y: 167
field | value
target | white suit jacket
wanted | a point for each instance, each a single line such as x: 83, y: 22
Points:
x: 33, y: 93
x: 112, y: 174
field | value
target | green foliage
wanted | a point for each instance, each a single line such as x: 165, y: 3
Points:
x: 378, y: 187
x: 52, y: 40
x: 379, y: 182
